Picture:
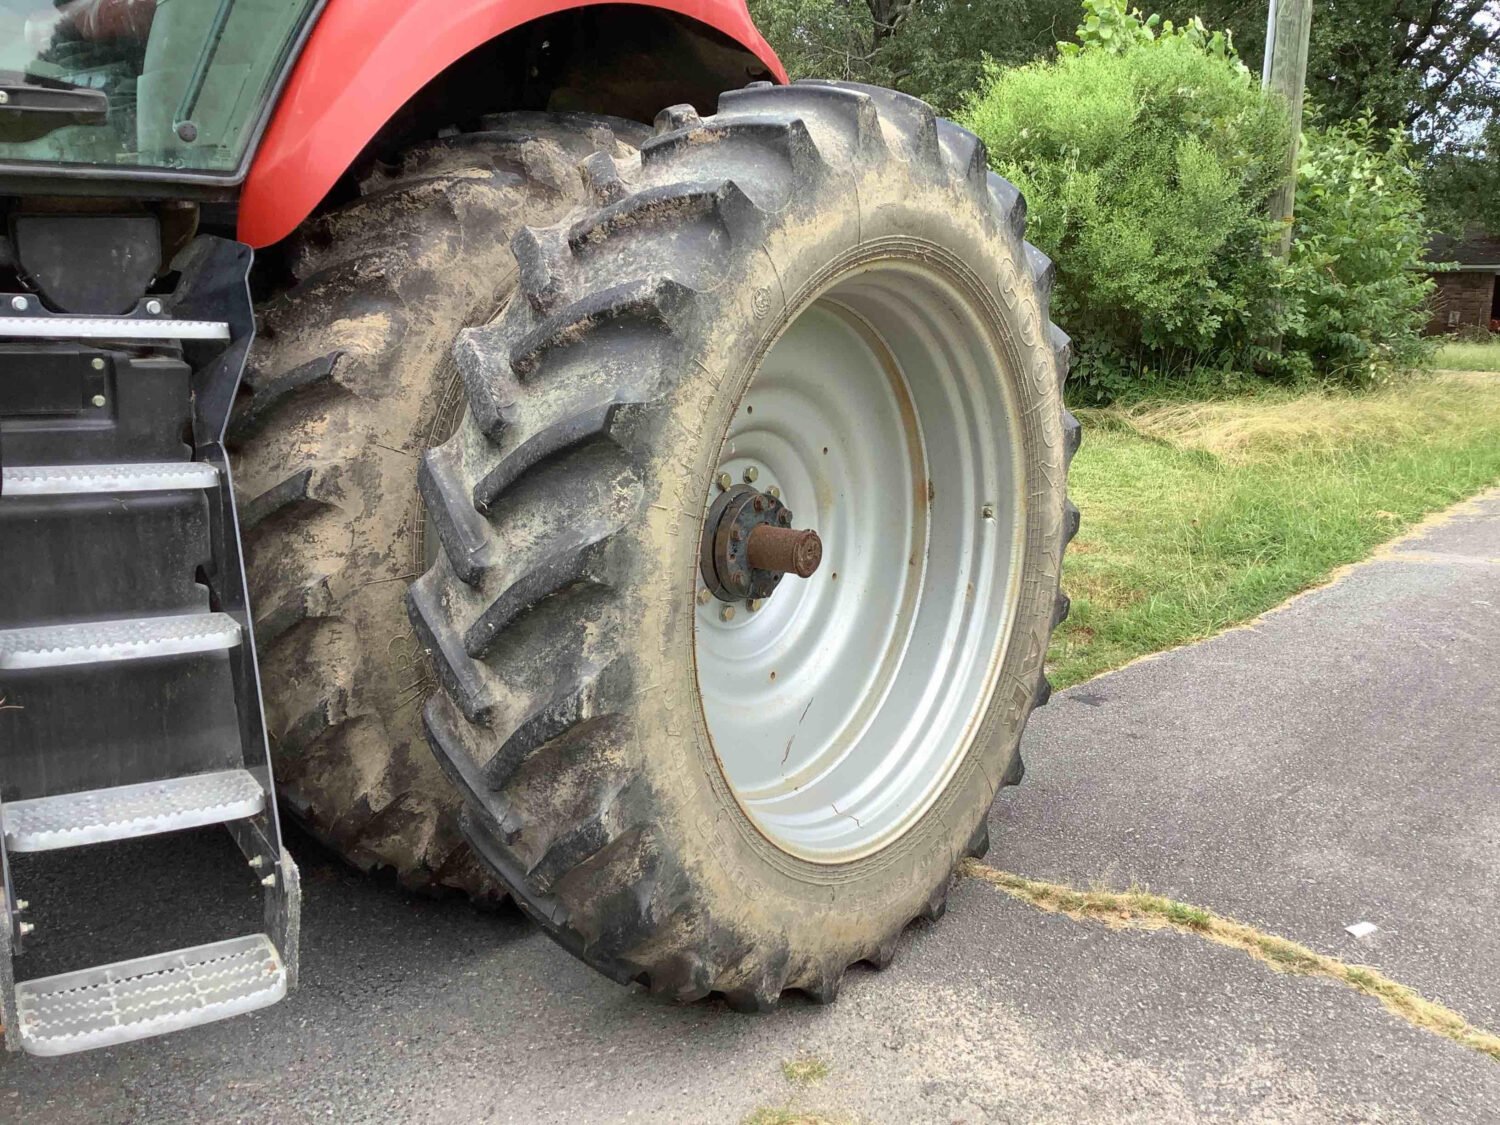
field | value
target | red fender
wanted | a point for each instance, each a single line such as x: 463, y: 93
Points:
x: 366, y: 58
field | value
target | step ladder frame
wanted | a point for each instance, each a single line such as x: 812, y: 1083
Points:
x: 214, y: 287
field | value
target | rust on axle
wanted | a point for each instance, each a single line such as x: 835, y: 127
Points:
x: 784, y: 550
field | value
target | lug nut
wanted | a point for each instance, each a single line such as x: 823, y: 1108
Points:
x: 774, y: 492
x: 258, y: 862
x: 727, y: 613
x: 754, y: 604
x: 705, y: 596
x: 26, y: 928
x: 21, y: 904
x: 268, y: 881
x: 97, y: 363
x: 98, y: 400
x: 724, y: 481
x: 750, y: 474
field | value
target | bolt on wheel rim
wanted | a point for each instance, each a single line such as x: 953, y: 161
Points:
x: 841, y: 705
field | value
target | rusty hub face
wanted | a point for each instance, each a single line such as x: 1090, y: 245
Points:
x: 749, y: 545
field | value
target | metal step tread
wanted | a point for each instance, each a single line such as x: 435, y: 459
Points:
x: 151, y: 995
x: 111, y: 328
x: 93, y: 642
x: 97, y: 815
x: 80, y: 480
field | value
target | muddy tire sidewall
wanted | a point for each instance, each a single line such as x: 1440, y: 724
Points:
x: 718, y: 843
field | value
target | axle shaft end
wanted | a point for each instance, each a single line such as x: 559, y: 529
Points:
x: 784, y: 550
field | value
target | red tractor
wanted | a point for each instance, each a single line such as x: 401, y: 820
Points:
x: 654, y: 515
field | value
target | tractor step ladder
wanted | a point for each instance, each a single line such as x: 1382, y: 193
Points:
x: 99, y: 815
x: 127, y: 660
x: 152, y: 995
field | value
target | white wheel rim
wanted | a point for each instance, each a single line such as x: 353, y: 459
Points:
x: 840, y: 708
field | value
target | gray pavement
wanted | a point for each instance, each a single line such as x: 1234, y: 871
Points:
x: 1334, y: 763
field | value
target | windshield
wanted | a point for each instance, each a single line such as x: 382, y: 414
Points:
x: 185, y: 80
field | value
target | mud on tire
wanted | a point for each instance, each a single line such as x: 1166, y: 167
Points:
x: 560, y: 615
x: 350, y: 381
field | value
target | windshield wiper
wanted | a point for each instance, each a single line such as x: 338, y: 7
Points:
x: 182, y: 121
x: 32, y: 106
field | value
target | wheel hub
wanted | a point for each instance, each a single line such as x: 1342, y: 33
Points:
x: 840, y: 707
x: 749, y: 546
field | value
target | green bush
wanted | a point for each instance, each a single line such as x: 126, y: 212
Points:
x: 1355, y: 293
x: 1147, y: 157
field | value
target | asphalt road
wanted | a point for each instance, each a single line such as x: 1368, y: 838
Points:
x: 1336, y: 762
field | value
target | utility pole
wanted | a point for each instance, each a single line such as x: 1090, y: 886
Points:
x: 1285, y: 73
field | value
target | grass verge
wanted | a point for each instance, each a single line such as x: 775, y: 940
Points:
x: 1198, y: 516
x: 1469, y: 357
x: 1139, y: 909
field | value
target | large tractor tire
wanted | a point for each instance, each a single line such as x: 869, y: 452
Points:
x: 350, y: 381
x: 812, y: 311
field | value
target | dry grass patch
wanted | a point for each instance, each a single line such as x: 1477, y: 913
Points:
x: 801, y: 1072
x: 781, y: 1115
x: 1322, y: 424
x: 804, y: 1070
x: 1139, y: 909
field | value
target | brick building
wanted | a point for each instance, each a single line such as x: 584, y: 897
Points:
x: 1466, y: 297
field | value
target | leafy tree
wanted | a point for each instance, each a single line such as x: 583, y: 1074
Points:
x: 1430, y: 66
x: 934, y: 49
x: 1462, y: 184
x: 1109, y: 26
